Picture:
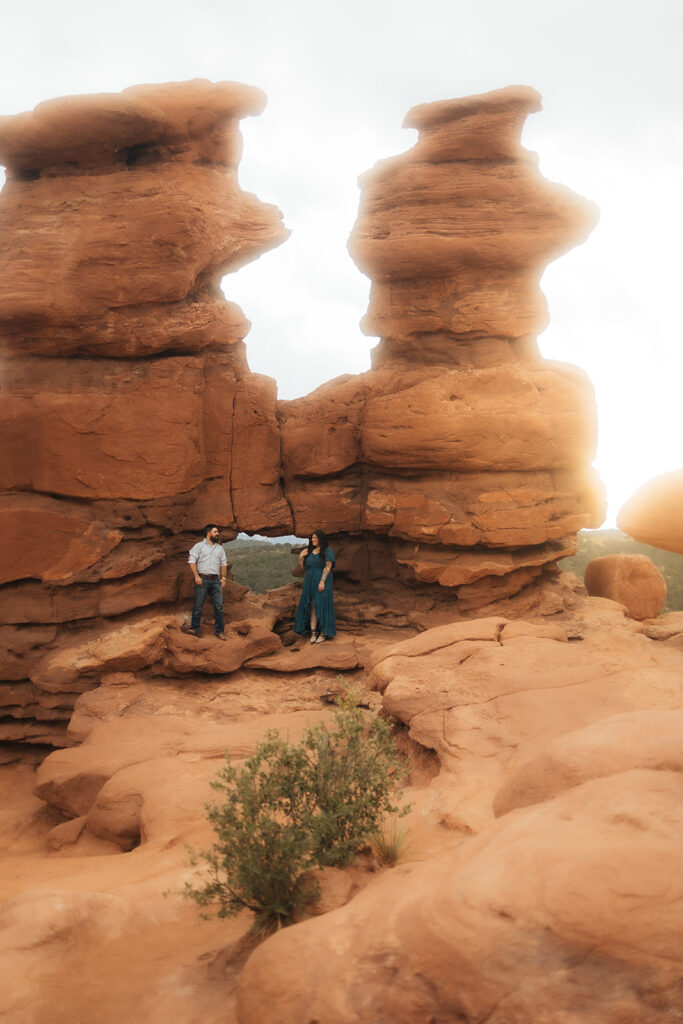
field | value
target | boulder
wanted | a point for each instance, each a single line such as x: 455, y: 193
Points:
x: 632, y: 580
x: 653, y: 514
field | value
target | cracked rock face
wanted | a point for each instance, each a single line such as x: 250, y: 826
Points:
x: 563, y: 912
x: 462, y: 457
x: 559, y: 784
x: 129, y: 415
x: 451, y: 477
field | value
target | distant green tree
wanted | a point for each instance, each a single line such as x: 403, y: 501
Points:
x: 260, y: 565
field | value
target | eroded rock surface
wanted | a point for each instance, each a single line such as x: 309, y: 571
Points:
x: 546, y: 817
x: 567, y: 911
x: 85, y: 868
x: 543, y: 863
x: 456, y: 470
x: 461, y: 459
x: 568, y: 906
x: 129, y: 415
x: 492, y: 693
x: 632, y: 580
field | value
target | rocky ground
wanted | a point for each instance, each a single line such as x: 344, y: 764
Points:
x: 542, y: 879
x: 543, y: 871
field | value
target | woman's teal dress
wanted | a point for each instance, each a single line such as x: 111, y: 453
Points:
x: 323, y: 601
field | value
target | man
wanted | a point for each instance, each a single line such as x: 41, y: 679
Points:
x: 209, y: 566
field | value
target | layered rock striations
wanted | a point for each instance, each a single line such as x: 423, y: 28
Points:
x: 451, y: 476
x: 460, y: 461
x: 543, y: 874
x: 129, y: 415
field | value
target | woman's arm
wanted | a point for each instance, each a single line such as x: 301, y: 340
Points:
x: 326, y: 572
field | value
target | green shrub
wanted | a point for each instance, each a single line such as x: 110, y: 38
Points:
x: 291, y: 808
x: 390, y: 844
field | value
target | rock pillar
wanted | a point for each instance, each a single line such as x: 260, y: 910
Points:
x: 460, y: 462
x: 129, y: 415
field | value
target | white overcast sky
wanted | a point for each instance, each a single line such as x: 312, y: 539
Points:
x: 339, y: 78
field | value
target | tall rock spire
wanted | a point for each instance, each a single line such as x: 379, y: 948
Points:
x: 462, y: 458
x: 124, y: 378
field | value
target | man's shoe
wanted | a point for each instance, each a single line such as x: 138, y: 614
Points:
x: 186, y: 629
x: 221, y: 636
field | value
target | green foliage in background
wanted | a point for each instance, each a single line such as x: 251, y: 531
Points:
x: 596, y: 543
x: 260, y: 565
x: 291, y: 808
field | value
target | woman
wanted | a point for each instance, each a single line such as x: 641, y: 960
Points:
x: 316, y: 607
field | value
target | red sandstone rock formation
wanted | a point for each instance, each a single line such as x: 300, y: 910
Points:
x: 559, y: 895
x: 129, y: 416
x: 461, y: 459
x: 632, y: 580
x: 564, y: 756
x: 456, y: 469
x: 563, y: 912
x: 653, y: 514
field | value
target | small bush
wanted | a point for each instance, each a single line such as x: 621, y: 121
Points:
x: 291, y: 808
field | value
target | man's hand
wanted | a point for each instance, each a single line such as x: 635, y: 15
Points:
x: 222, y: 581
x: 197, y: 581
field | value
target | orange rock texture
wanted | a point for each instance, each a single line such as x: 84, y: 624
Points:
x: 653, y: 514
x: 129, y: 415
x: 460, y: 461
x: 451, y: 476
x: 632, y: 580
x: 544, y: 754
x: 558, y: 897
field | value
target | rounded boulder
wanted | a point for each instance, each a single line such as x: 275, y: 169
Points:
x: 632, y: 580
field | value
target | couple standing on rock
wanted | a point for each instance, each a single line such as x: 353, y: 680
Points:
x: 209, y: 567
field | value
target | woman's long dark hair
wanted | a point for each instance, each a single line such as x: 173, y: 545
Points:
x: 322, y: 543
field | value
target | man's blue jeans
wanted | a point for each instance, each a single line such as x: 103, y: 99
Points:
x: 210, y: 587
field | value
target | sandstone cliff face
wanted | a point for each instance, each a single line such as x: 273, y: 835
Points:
x: 461, y: 459
x: 129, y: 416
x: 545, y: 880
x: 455, y: 471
